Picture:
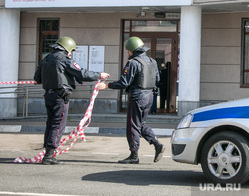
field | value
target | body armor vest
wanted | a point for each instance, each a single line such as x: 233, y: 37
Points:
x: 147, y: 77
x: 53, y: 72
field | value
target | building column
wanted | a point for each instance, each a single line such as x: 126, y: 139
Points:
x: 9, y: 57
x: 190, y: 54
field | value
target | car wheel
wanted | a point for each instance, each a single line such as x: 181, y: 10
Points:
x: 225, y: 158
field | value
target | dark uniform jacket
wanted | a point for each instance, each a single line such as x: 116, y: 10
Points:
x: 131, y: 73
x: 58, y: 71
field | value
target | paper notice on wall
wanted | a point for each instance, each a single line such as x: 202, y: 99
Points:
x: 80, y: 56
x: 96, y: 58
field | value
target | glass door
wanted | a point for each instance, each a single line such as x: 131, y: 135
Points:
x: 165, y: 53
x: 164, y: 49
x: 163, y: 58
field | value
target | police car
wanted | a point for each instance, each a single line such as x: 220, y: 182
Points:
x: 217, y: 137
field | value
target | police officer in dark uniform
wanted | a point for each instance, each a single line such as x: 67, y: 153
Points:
x: 57, y: 72
x: 139, y: 76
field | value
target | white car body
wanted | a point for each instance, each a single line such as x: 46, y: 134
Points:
x: 187, y: 141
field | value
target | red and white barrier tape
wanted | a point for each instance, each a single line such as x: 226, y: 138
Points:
x: 79, y: 131
x: 19, y: 82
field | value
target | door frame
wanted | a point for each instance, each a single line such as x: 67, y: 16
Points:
x: 174, y: 61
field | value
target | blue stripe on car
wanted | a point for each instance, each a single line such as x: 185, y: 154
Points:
x: 234, y: 112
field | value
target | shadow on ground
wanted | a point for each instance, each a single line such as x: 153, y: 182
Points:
x: 152, y: 177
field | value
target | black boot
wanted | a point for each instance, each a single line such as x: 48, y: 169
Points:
x: 48, y: 158
x: 160, y: 148
x: 132, y: 159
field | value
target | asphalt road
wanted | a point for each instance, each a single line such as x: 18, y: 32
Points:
x: 91, y: 168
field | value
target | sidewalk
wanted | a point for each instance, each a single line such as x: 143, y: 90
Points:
x: 115, y: 124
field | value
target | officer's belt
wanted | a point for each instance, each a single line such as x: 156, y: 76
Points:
x: 50, y: 91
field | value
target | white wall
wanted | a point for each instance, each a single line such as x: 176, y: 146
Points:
x: 9, y: 57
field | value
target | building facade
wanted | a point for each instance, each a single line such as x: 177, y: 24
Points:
x: 200, y: 47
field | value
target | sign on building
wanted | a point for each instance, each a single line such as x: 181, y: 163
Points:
x: 92, y: 3
x: 81, y: 56
x: 96, y: 58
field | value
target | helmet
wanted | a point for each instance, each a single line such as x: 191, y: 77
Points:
x: 133, y: 43
x: 68, y: 43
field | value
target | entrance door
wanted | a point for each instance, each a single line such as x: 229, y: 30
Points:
x: 162, y: 39
x: 164, y: 51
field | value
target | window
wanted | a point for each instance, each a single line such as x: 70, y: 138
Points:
x: 48, y: 34
x: 154, y: 26
x: 245, y: 53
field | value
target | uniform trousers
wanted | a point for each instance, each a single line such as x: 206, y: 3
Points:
x: 137, y: 113
x: 57, y: 112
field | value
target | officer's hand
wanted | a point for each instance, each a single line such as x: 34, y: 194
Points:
x: 102, y: 86
x: 104, y: 75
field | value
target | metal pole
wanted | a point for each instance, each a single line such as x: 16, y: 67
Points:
x: 27, y: 100
x: 23, y: 104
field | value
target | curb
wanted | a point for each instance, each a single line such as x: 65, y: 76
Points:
x: 69, y: 129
